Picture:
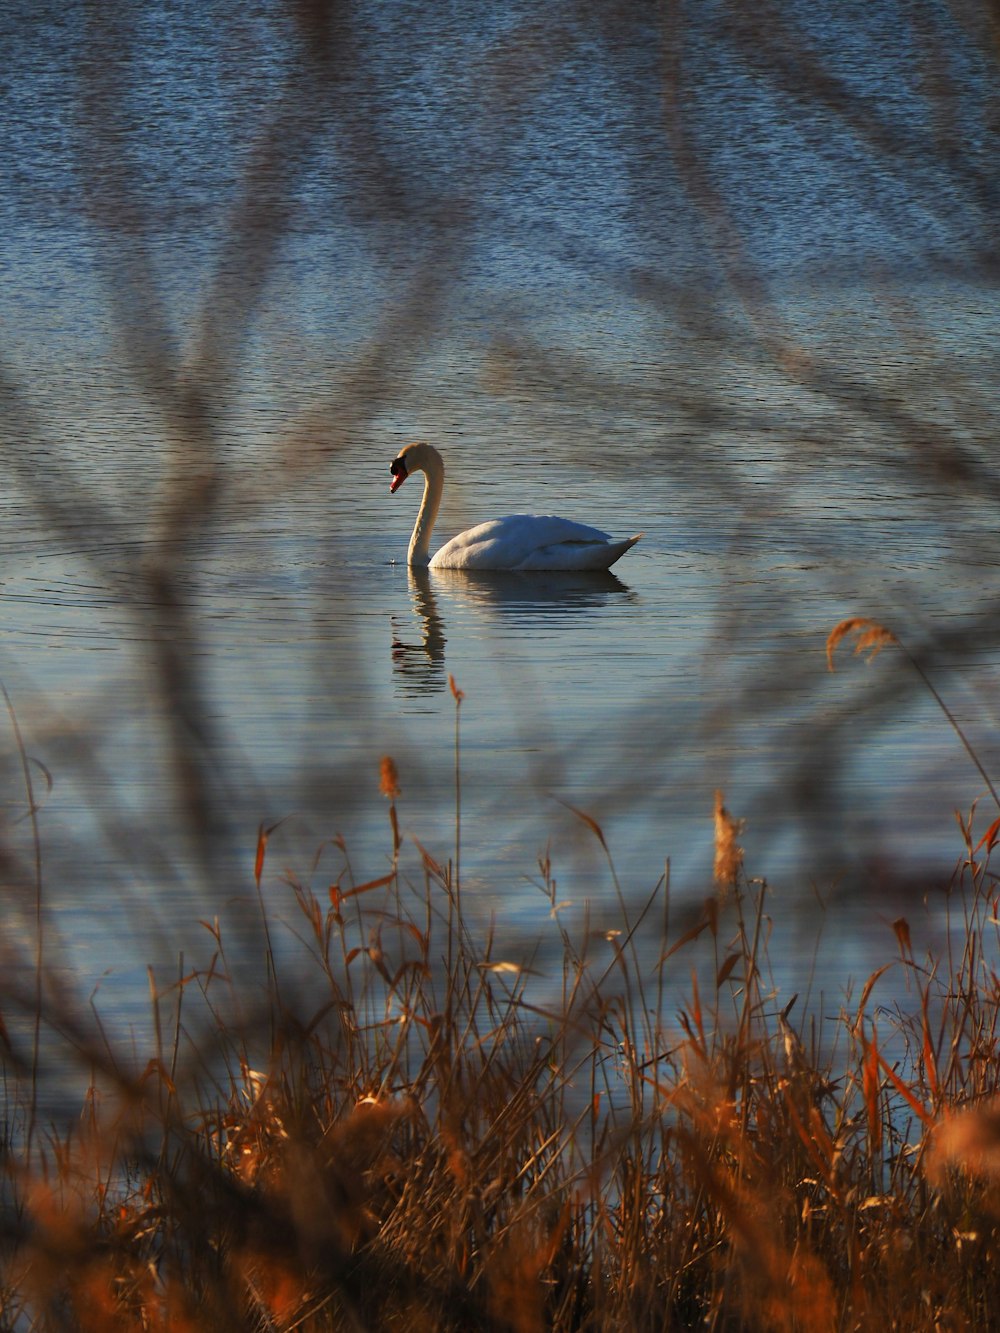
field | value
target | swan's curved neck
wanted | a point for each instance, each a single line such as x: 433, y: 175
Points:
x: 420, y: 541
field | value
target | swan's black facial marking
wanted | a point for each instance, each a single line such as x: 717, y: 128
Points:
x: 398, y: 469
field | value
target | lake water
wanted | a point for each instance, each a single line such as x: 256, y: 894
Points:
x: 731, y: 286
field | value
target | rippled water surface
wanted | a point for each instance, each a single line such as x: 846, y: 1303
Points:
x: 658, y: 279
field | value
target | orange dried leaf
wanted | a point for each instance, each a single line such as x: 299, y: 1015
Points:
x: 989, y: 838
x: 872, y: 1089
x: 263, y: 834
x: 726, y: 969
x: 592, y: 824
x: 258, y: 865
x: 686, y: 938
x: 371, y: 884
x: 905, y: 1092
x: 872, y: 637
x: 870, y: 986
x: 418, y: 935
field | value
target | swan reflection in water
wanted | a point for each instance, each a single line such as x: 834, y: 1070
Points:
x: 420, y: 667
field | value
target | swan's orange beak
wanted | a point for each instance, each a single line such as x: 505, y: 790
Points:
x: 398, y: 469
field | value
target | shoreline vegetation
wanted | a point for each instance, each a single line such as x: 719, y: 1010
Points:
x: 419, y: 1135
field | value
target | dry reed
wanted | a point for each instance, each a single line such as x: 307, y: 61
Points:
x: 438, y: 1147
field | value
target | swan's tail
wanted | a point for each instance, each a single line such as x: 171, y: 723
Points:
x: 616, y: 550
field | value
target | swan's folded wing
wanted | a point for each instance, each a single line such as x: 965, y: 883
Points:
x: 579, y: 554
x: 529, y: 541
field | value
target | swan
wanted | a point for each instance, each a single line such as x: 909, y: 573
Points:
x: 519, y: 541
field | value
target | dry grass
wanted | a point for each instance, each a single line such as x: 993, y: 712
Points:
x: 433, y: 1141
x: 399, y: 1129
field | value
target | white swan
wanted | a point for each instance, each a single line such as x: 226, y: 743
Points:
x: 519, y: 541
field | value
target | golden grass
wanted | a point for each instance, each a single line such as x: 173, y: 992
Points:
x: 431, y: 1147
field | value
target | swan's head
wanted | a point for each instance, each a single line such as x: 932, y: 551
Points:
x: 416, y: 457
x: 399, y: 472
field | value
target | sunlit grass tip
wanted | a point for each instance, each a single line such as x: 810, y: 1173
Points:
x: 728, y: 852
x: 388, y: 783
x: 872, y: 637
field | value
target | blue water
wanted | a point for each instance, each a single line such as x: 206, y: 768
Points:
x: 729, y: 280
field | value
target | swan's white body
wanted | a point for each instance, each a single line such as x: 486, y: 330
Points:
x: 519, y: 541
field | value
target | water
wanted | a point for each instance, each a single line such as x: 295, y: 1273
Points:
x: 657, y: 278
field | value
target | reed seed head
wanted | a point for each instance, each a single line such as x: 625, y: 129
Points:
x: 728, y: 853
x: 389, y: 778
